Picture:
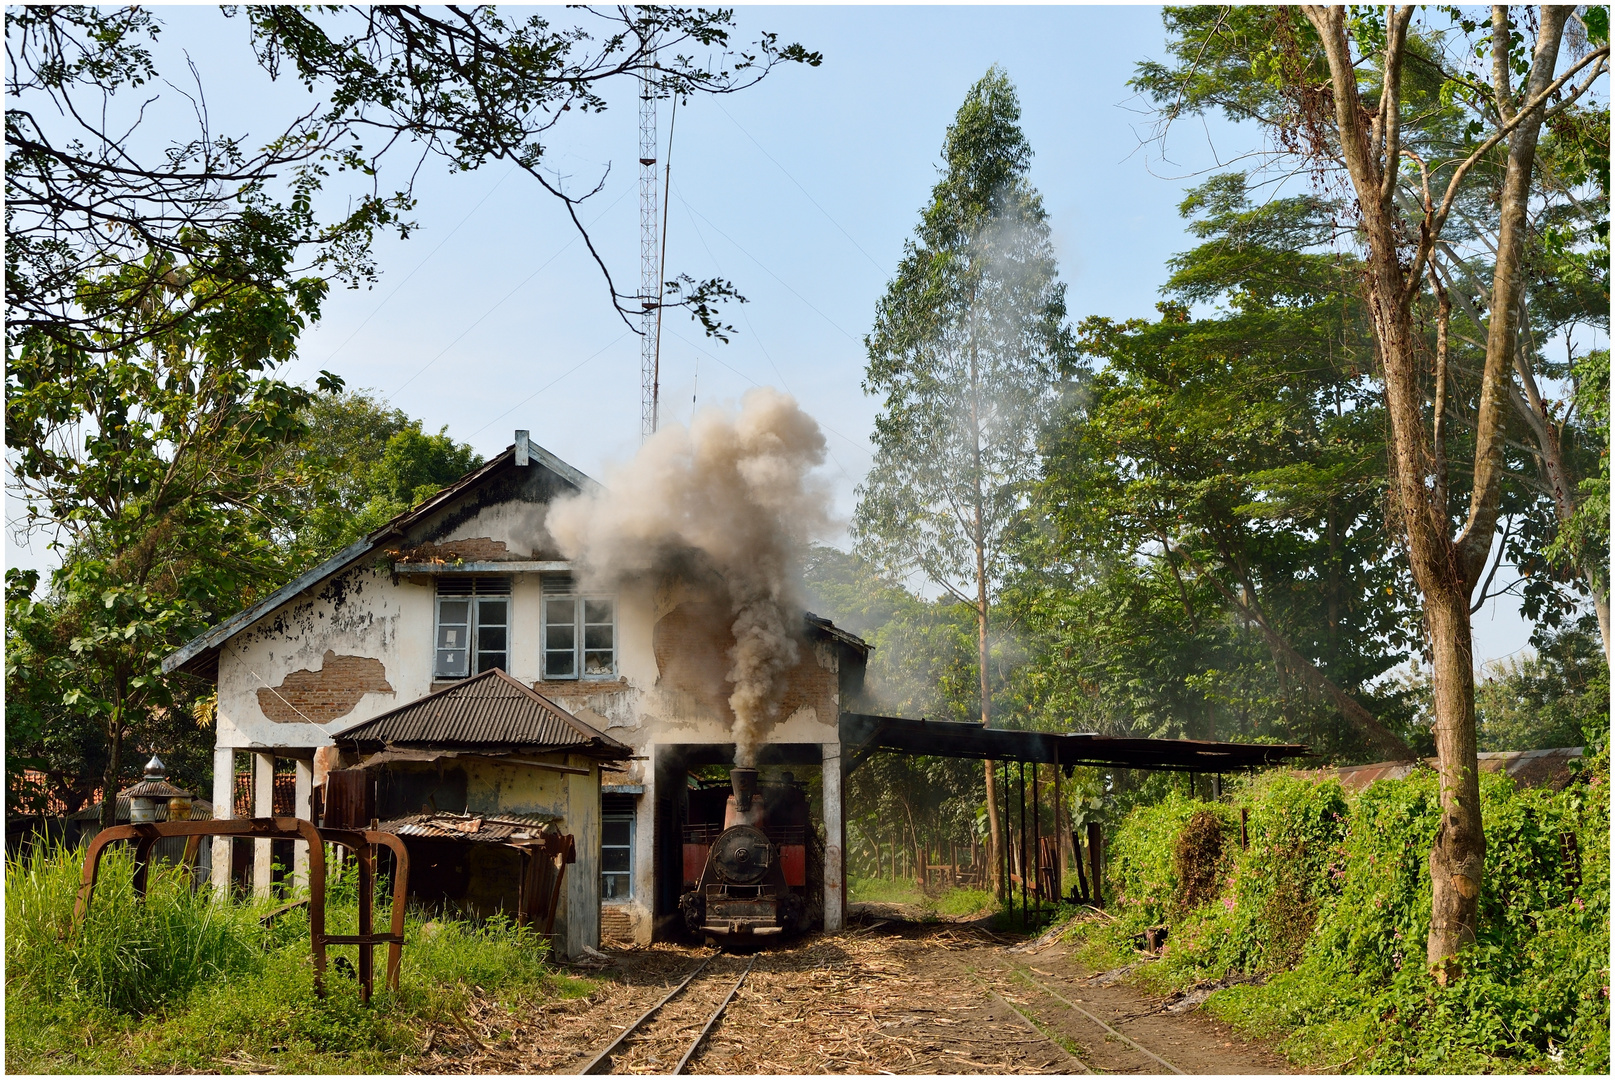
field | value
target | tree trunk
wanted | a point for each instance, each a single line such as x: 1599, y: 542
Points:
x: 109, y: 782
x: 1458, y: 857
x: 1445, y: 569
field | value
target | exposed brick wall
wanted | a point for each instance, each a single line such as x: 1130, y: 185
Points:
x: 324, y: 695
x: 692, y: 644
x: 472, y: 549
x: 614, y: 924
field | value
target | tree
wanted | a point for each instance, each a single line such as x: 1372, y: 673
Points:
x: 1393, y: 110
x: 391, y: 87
x: 360, y: 464
x: 1240, y: 456
x: 968, y: 349
x: 1558, y: 697
x: 152, y: 465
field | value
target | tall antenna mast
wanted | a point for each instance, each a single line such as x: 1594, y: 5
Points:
x: 650, y: 276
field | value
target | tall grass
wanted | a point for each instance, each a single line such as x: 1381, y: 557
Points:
x: 184, y: 982
x: 128, y: 956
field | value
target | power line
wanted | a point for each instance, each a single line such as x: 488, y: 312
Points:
x: 850, y: 337
x: 802, y: 189
x: 405, y: 280
x: 715, y: 359
x: 500, y: 303
x: 545, y: 387
x: 768, y: 355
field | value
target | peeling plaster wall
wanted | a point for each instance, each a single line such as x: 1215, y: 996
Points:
x: 574, y: 799
x: 569, y: 799
x: 360, y: 613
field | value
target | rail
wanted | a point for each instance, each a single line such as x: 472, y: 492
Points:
x: 601, y: 1063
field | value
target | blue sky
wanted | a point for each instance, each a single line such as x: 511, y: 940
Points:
x: 801, y: 190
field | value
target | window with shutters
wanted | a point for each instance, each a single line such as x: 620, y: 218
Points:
x: 580, y: 632
x: 473, y: 626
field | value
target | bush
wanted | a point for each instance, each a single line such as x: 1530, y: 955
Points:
x: 1323, y: 921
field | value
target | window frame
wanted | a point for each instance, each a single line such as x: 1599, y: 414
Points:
x: 631, y: 820
x: 580, y: 648
x: 473, y: 625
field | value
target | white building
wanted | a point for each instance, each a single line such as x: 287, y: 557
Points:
x: 469, y: 581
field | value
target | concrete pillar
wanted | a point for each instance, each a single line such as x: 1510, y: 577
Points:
x: 263, y: 805
x: 302, y: 808
x: 224, y: 778
x: 835, y: 840
x: 644, y: 903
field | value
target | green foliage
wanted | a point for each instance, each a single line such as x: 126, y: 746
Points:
x: 1211, y: 542
x: 1557, y: 697
x: 361, y: 464
x: 182, y: 982
x: 128, y: 957
x: 1320, y: 924
x: 150, y: 449
x: 968, y: 348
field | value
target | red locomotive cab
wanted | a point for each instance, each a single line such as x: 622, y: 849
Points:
x: 793, y: 861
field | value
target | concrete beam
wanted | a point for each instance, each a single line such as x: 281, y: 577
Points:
x: 224, y: 776
x: 302, y: 808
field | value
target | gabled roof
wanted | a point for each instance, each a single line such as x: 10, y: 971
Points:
x: 831, y: 630
x: 200, y: 652
x: 488, y: 709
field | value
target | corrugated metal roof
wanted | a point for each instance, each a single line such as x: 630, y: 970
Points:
x: 488, y: 709
x: 1528, y: 768
x: 473, y: 828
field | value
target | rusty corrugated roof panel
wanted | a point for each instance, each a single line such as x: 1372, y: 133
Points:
x: 1528, y: 768
x: 471, y: 828
x: 488, y: 709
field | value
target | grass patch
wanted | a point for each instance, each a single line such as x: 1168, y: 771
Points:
x: 884, y: 891
x: 183, y: 983
x: 950, y: 902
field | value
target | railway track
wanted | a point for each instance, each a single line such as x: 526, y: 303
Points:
x: 1092, y: 1043
x: 673, y: 1017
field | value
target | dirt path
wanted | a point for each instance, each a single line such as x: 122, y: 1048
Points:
x: 892, y: 997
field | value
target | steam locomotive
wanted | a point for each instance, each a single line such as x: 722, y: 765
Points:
x: 747, y: 876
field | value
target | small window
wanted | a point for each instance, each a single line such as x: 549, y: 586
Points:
x: 473, y: 626
x: 580, y: 637
x: 617, y: 857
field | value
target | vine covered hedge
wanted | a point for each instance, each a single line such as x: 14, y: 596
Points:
x: 1315, y: 932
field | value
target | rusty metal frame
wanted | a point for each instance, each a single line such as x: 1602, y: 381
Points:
x: 361, y: 841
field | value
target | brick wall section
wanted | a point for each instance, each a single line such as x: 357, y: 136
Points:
x: 324, y: 695
x: 692, y: 644
x: 614, y: 924
x: 474, y: 549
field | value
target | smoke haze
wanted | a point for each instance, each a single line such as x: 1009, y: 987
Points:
x: 732, y: 493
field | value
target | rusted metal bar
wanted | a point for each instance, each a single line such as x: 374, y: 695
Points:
x: 146, y: 834
x: 363, y: 844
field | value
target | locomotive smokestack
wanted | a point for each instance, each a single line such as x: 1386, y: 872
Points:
x: 744, y: 781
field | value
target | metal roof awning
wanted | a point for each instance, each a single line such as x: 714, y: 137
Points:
x: 489, y: 710
x: 863, y: 734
